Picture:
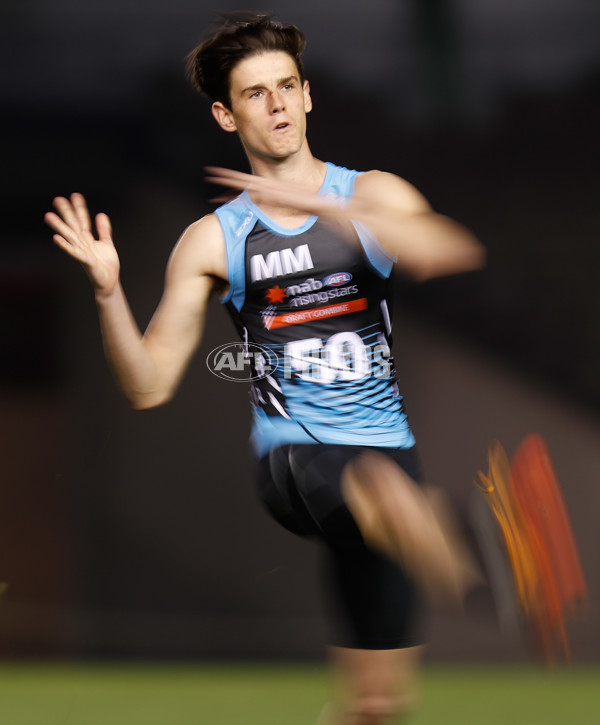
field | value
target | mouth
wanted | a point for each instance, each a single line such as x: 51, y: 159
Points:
x: 281, y: 126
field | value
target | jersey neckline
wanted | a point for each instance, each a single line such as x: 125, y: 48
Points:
x: 278, y: 228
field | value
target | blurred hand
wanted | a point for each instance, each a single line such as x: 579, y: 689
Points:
x: 272, y: 192
x: 74, y: 235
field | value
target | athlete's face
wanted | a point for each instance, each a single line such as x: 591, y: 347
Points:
x: 268, y: 105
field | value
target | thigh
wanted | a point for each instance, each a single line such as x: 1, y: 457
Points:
x: 317, y: 472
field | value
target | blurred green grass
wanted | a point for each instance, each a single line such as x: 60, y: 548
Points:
x: 285, y: 694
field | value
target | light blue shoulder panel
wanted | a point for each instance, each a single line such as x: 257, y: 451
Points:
x: 237, y: 221
x: 340, y: 181
x: 381, y: 261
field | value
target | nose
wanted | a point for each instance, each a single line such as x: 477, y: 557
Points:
x: 276, y: 102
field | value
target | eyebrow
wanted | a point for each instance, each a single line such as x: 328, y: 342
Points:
x: 260, y: 86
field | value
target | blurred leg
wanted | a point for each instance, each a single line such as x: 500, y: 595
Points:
x: 412, y: 524
x: 374, y: 686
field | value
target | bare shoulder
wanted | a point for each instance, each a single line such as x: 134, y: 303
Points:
x: 391, y: 190
x: 200, y: 250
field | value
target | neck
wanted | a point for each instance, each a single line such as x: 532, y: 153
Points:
x: 300, y: 168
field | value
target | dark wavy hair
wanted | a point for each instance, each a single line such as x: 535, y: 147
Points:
x: 239, y: 36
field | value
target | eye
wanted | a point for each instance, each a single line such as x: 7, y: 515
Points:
x: 256, y: 94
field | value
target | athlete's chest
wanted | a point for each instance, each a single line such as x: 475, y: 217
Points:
x: 279, y: 268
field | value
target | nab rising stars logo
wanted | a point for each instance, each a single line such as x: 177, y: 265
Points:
x: 277, y: 294
x: 307, y: 293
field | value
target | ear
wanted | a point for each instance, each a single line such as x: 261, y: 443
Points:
x: 307, y: 98
x: 223, y: 117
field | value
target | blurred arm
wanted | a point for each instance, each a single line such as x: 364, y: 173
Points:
x: 424, y: 243
x: 147, y: 367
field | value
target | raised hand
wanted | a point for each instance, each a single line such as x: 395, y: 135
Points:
x: 274, y: 192
x: 74, y: 235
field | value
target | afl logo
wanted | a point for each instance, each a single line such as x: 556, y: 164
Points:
x: 336, y: 279
x: 241, y: 363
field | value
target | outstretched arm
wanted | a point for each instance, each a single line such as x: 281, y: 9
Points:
x: 147, y: 367
x: 424, y: 243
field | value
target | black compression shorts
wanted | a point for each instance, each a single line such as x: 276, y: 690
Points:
x: 374, y: 605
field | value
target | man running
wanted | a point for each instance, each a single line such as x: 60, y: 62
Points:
x: 302, y: 259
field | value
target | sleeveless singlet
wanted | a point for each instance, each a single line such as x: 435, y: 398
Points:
x: 316, y: 299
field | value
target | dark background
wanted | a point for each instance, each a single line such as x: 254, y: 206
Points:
x: 137, y: 534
